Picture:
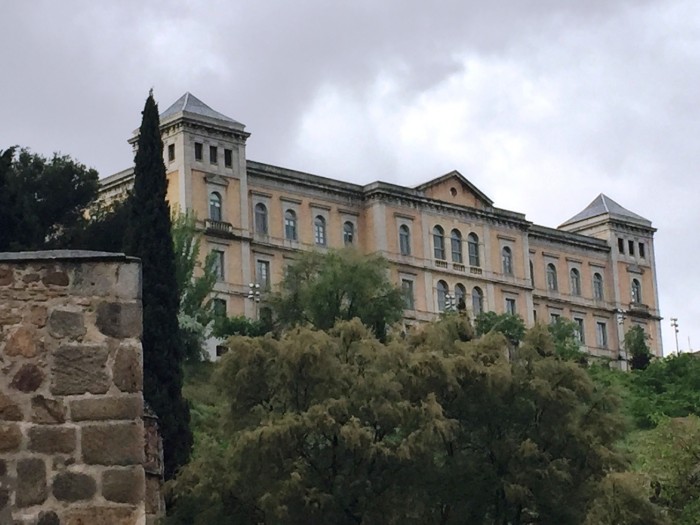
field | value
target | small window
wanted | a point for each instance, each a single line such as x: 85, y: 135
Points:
x: 553, y: 318
x: 507, y: 260
x: 215, y: 206
x: 262, y: 274
x: 407, y: 289
x: 621, y: 245
x: 213, y: 154
x: 404, y: 240
x: 218, y: 307
x: 290, y: 225
x: 456, y: 244
x: 473, y: 247
x: 460, y: 297
x: 219, y: 264
x: 575, y: 282
x: 601, y: 334
x: 442, y: 292
x: 198, y: 151
x: 510, y: 306
x: 439, y: 242
x: 171, y: 152
x: 348, y: 233
x: 532, y: 274
x: 580, y: 330
x: 636, y: 291
x: 228, y: 158
x: 320, y: 230
x: 630, y: 246
x: 642, y: 250
x: 598, y: 293
x: 261, y: 218
x: 477, y: 301
x: 552, y: 284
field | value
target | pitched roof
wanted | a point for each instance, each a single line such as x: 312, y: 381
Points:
x: 454, y: 174
x: 603, y: 205
x: 190, y: 104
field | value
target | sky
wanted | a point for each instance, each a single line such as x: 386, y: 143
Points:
x: 542, y: 104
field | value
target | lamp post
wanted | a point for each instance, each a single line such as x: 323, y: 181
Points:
x: 674, y: 324
x: 449, y: 302
x: 254, y: 295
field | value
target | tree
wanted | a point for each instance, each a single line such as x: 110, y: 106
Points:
x: 149, y: 238
x: 42, y: 198
x: 567, y: 340
x: 511, y: 326
x: 322, y: 288
x: 103, y: 230
x: 635, y: 343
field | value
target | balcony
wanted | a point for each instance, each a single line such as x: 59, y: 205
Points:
x: 219, y: 228
x: 639, y: 309
x: 458, y: 267
x: 441, y: 264
x: 475, y: 270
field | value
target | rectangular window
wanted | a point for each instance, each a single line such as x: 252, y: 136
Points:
x: 262, y: 274
x: 580, y: 331
x: 218, y: 306
x: 228, y: 158
x: 213, y: 154
x: 642, y: 251
x: 553, y: 318
x: 197, y: 151
x: 510, y: 306
x: 630, y: 245
x: 601, y: 334
x: 219, y: 264
x: 620, y: 245
x: 407, y: 288
x: 171, y: 152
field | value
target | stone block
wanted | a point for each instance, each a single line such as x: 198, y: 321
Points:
x: 7, y: 276
x: 31, y: 277
x: 10, y: 437
x: 55, y: 277
x: 108, y: 407
x: 127, y: 370
x: 73, y: 486
x: 52, y: 439
x: 28, y: 378
x: 124, y: 485
x: 22, y: 342
x: 31, y: 482
x: 38, y: 315
x: 113, y: 443
x: 95, y: 279
x: 48, y: 518
x: 47, y: 411
x: 66, y: 323
x: 9, y: 410
x: 100, y: 515
x: 121, y: 320
x: 154, y: 495
x: 78, y: 369
x: 129, y: 281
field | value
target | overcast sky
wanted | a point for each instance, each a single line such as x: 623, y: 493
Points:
x: 542, y: 104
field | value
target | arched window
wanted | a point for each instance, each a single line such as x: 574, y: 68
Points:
x: 636, y: 291
x: 442, y: 290
x: 404, y: 240
x: 598, y: 293
x: 460, y: 297
x: 348, y: 233
x: 320, y: 230
x: 473, y: 246
x: 439, y: 242
x: 477, y: 301
x: 261, y: 218
x: 575, y: 278
x: 507, y: 259
x: 290, y: 225
x: 552, y: 278
x: 215, y: 206
x: 456, y: 245
x: 532, y: 274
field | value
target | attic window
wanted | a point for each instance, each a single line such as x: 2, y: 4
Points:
x: 453, y: 191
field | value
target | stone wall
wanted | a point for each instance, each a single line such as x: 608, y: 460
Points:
x: 71, y: 404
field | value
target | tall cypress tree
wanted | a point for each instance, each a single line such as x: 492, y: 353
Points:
x: 149, y: 238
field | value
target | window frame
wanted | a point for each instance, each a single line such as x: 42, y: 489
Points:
x: 477, y: 301
x: 551, y: 274
x: 198, y: 151
x: 439, y: 243
x: 407, y: 289
x: 404, y: 239
x: 291, y: 231
x: 443, y: 290
x: 262, y: 274
x: 511, y: 306
x: 507, y: 260
x: 473, y: 250
x: 601, y: 334
x: 261, y: 218
x: 636, y: 291
x: 575, y: 281
x: 215, y: 206
x: 456, y: 246
x: 213, y: 154
x: 228, y: 158
x: 598, y: 287
x: 348, y: 232
x: 581, y: 329
x: 171, y: 152
x: 219, y: 263
x: 320, y: 232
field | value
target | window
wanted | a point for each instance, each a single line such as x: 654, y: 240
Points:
x: 620, y: 245
x: 642, y: 251
x: 636, y: 291
x: 213, y: 154
x: 439, y: 242
x: 601, y: 334
x: 262, y: 274
x: 507, y: 260
x: 215, y: 206
x: 477, y: 301
x: 630, y: 245
x: 552, y: 278
x: 348, y: 233
x: 407, y: 289
x: 197, y: 151
x: 510, y: 306
x: 473, y: 247
x: 442, y: 291
x: 290, y: 225
x: 261, y: 218
x: 598, y: 287
x: 460, y: 297
x: 228, y: 158
x: 171, y: 152
x: 404, y: 240
x: 553, y: 318
x: 218, y: 307
x: 219, y: 264
x: 320, y: 230
x: 456, y: 244
x: 575, y: 282
x: 580, y: 330
x: 532, y: 274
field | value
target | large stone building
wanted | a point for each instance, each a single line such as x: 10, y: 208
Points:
x: 445, y: 239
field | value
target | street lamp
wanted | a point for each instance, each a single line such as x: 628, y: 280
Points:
x: 674, y: 324
x: 254, y: 295
x: 449, y: 302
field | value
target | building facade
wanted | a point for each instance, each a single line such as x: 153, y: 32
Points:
x: 445, y: 239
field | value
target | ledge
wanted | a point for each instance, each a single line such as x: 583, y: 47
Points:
x: 65, y: 255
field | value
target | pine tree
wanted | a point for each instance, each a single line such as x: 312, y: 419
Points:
x: 149, y: 238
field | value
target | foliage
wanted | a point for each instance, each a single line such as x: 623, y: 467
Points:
x: 322, y: 288
x: 102, y: 231
x: 42, y: 198
x: 336, y: 427
x: 149, y: 238
x: 511, y: 326
x: 225, y: 327
x: 567, y: 343
x: 635, y: 344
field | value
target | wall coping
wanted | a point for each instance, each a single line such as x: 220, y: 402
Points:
x: 65, y: 255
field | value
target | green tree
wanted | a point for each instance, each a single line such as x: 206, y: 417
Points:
x: 103, y: 230
x: 635, y: 344
x: 511, y: 326
x: 149, y: 238
x: 322, y: 288
x: 567, y: 340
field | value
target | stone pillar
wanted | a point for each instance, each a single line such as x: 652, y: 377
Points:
x: 71, y: 403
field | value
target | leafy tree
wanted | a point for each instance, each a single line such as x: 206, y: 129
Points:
x: 567, y: 342
x: 225, y: 327
x: 322, y: 288
x: 42, y: 198
x: 635, y: 343
x: 149, y: 238
x: 511, y: 326
x: 102, y: 231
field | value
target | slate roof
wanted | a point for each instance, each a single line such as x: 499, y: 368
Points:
x: 603, y: 205
x: 188, y: 103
